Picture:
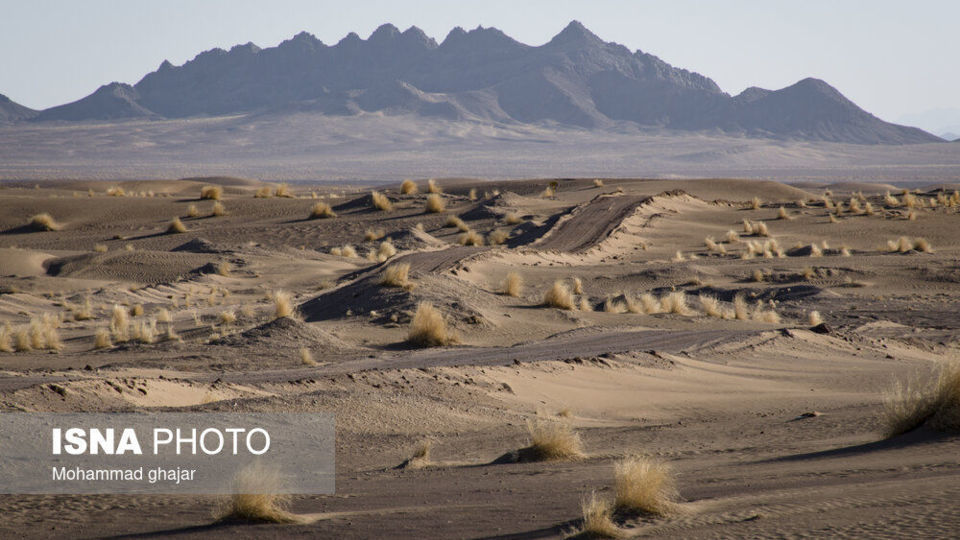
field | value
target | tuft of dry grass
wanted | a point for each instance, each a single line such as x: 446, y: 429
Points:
x: 644, y: 486
x: 559, y: 296
x: 386, y: 250
x: 306, y: 357
x: 84, y: 311
x: 120, y: 324
x: 100, y: 248
x: 263, y: 192
x: 496, y: 238
x: 420, y: 458
x: 921, y: 245
x: 435, y: 203
x: 116, y: 191
x: 597, y: 521
x: 711, y: 306
x: 322, y: 210
x: 932, y: 403
x: 611, y: 305
x: 513, y: 285
x: 470, y: 238
x: 283, y: 191
x: 890, y: 200
x: 782, y: 214
x: 765, y: 315
x: 282, y: 304
x: 408, y: 187
x: 732, y: 237
x: 256, y: 497
x: 396, y: 275
x: 454, y: 221
x: 380, y: 201
x: 211, y: 192
x: 597, y: 182
x: 553, y: 441
x: 101, y: 339
x: 176, y: 227
x: 218, y: 210
x: 433, y: 187
x: 548, y: 193
x: 372, y: 235
x: 227, y: 317
x: 814, y: 318
x: 44, y: 222
x: 585, y: 304
x: 136, y: 310
x: 428, y: 328
x: 577, y: 286
x: 740, y: 309
x: 513, y: 219
x: 193, y: 211
x: 649, y: 304
x: 675, y: 302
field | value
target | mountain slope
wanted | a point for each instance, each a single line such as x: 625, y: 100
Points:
x: 11, y: 111
x: 576, y: 79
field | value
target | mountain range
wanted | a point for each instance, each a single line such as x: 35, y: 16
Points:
x: 576, y: 79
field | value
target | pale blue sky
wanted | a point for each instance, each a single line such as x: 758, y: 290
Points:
x: 891, y: 57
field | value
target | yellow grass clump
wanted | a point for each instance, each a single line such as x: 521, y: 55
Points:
x: 513, y: 285
x: 44, y: 222
x: 755, y: 203
x: 372, y: 235
x: 408, y: 187
x: 176, y: 227
x: 890, y: 200
x: 380, y: 201
x: 551, y: 441
x: 675, y: 302
x: 211, y: 192
x: 428, y: 328
x: 470, y: 238
x: 740, y: 310
x: 218, y: 209
x: 256, y: 497
x: 306, y: 357
x: 548, y: 193
x: 472, y: 194
x: 322, y: 210
x: 732, y: 237
x: 396, y: 275
x: 585, y: 304
x: 597, y: 182
x: 512, y: 219
x: 765, y: 315
x: 612, y: 305
x: 644, y: 486
x: 559, y: 296
x: 136, y: 310
x: 6, y: 338
x: 814, y: 318
x: 101, y: 339
x: 227, y: 317
x: 120, y: 324
x: 386, y: 250
x: 100, y: 248
x: 283, y: 191
x: 454, y: 221
x: 433, y: 187
x: 282, y: 305
x: 435, y: 203
x: 711, y: 306
x: 934, y: 403
x: 782, y: 214
x: 263, y: 192
x: 420, y: 458
x: 116, y: 191
x: 597, y: 521
x: 192, y: 211
x: 577, y: 286
x: 496, y: 238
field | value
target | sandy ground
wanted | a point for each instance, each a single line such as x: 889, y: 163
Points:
x: 723, y: 400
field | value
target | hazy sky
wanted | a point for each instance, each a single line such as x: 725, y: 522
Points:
x: 891, y: 57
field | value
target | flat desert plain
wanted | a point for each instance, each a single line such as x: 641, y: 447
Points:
x: 508, y: 359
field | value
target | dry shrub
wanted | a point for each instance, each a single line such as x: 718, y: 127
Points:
x: 428, y: 328
x: 472, y: 194
x: 855, y: 206
x: 833, y: 219
x: 921, y: 244
x: 577, y: 286
x: 675, y: 302
x: 372, y: 235
x: 815, y: 251
x: 408, y: 187
x: 255, y: 497
x: 211, y: 192
x: 176, y: 227
x: 420, y: 458
x: 192, y: 211
x: 755, y: 203
x: 932, y: 403
x: 585, y: 304
x: 911, y: 216
x: 678, y: 257
x: 844, y: 251
x: 396, y: 275
x: 454, y: 221
x: 120, y: 324
x: 711, y: 306
x: 435, y: 204
x: 782, y: 214
x: 84, y: 312
x: 814, y: 318
x: 513, y: 219
x: 765, y: 315
x: 44, y: 222
x: 282, y: 304
x: 597, y: 182
x: 433, y: 187
x: 513, y: 285
x: 163, y: 315
x: 264, y: 192
x: 386, y: 250
x: 611, y: 305
x: 100, y: 248
x: 649, y: 304
x: 550, y: 441
x: 868, y: 209
x: 101, y: 339
x: 136, y: 310
x: 347, y: 251
x: 758, y: 275
x: 890, y: 200
x: 116, y: 191
x: 548, y: 193
x: 22, y: 340
x: 559, y: 296
x: 760, y: 229
x: 322, y: 210
x: 145, y: 331
x: 227, y: 317
x: 218, y: 209
x: 470, y: 238
x: 597, y: 519
x: 496, y: 238
x: 644, y: 486
x: 732, y: 237
x: 740, y: 309
x: 380, y: 201
x: 283, y: 190
x: 306, y: 357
